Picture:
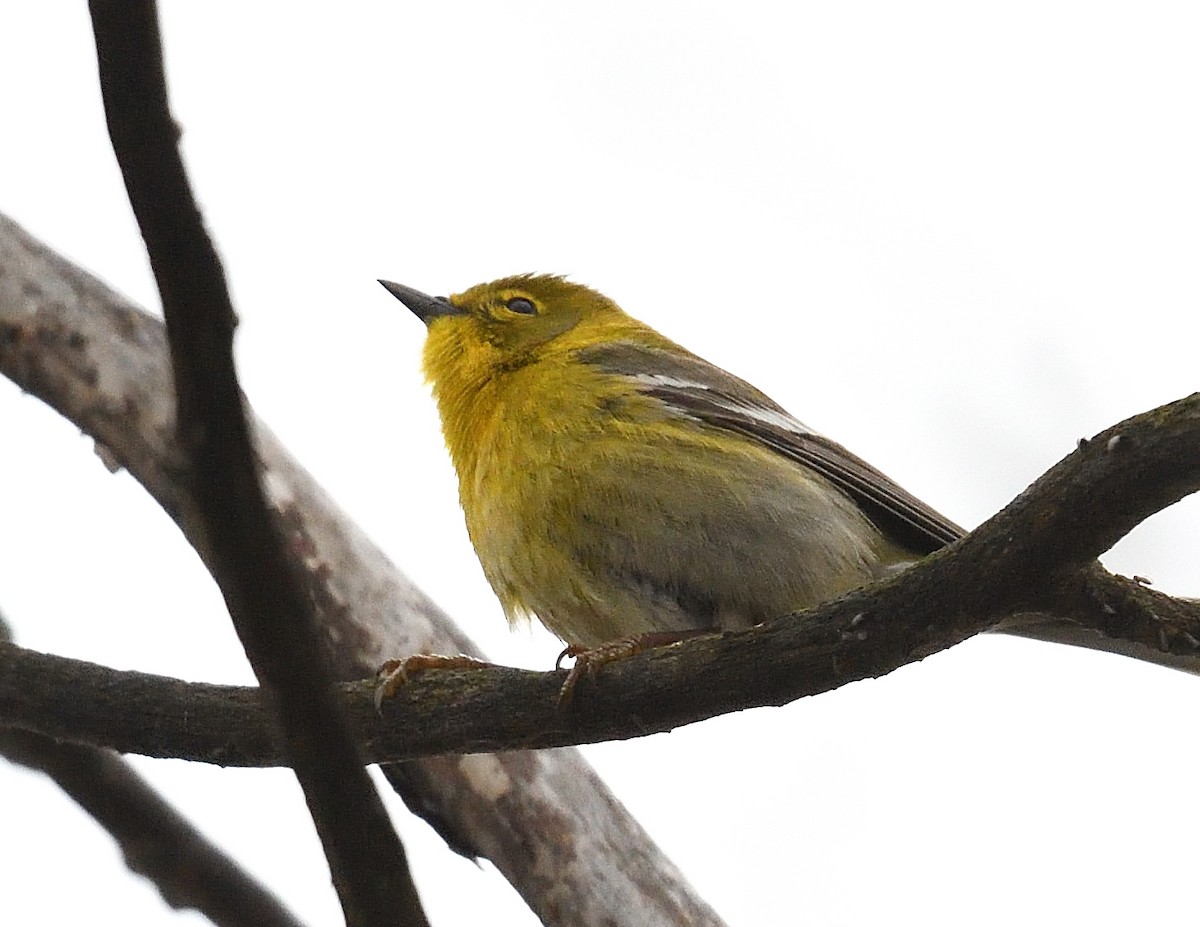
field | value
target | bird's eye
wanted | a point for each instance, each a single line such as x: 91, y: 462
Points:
x: 521, y: 305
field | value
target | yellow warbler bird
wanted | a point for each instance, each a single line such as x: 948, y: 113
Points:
x: 616, y: 485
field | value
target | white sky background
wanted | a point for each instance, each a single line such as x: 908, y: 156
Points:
x: 954, y: 238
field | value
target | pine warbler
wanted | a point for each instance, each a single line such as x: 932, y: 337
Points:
x: 616, y: 485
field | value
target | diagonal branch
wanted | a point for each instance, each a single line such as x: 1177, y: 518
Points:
x: 102, y: 362
x: 273, y: 617
x: 156, y: 840
x: 158, y: 843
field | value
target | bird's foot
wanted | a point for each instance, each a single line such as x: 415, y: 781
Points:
x: 589, y: 660
x: 396, y: 673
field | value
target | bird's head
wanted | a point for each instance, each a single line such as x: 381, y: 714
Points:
x: 505, y: 324
x: 511, y: 317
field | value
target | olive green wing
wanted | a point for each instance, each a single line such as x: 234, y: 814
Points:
x: 692, y: 387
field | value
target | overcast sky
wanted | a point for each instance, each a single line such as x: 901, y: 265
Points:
x: 955, y: 237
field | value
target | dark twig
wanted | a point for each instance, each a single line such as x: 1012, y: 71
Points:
x: 156, y: 840
x: 273, y: 616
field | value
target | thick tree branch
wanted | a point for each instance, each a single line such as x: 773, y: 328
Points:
x: 1033, y: 561
x: 510, y: 709
x: 1004, y: 571
x: 102, y: 362
x: 273, y: 617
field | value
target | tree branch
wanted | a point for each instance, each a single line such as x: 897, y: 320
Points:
x: 102, y: 363
x: 156, y: 841
x: 1032, y: 562
x: 500, y: 708
x: 273, y: 617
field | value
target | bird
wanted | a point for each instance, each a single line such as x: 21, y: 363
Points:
x: 623, y: 490
x: 615, y: 484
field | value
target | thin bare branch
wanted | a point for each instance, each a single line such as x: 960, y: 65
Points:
x: 273, y: 617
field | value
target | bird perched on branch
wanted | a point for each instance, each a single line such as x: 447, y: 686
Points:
x: 617, y: 485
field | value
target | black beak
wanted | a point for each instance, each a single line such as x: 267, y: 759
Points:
x: 426, y: 308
